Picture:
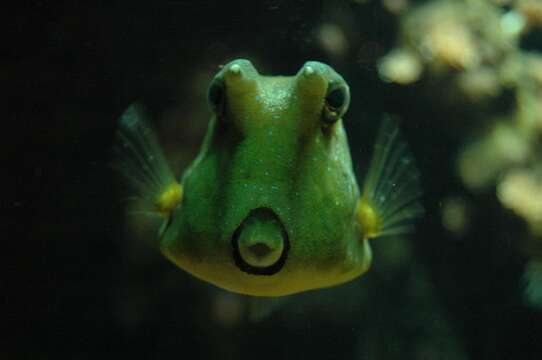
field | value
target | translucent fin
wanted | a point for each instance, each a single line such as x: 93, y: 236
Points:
x: 390, y: 200
x: 140, y: 159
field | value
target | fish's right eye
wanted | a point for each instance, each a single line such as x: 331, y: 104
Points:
x: 336, y: 102
x: 216, y: 96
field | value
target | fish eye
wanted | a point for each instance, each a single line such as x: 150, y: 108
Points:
x: 216, y: 96
x: 336, y: 103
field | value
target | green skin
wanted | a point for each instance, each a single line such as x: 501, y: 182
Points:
x: 269, y: 146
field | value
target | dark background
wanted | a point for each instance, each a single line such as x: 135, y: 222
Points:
x: 71, y: 288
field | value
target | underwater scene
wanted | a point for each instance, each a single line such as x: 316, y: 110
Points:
x: 275, y: 179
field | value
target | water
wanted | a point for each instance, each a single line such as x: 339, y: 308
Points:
x: 464, y: 82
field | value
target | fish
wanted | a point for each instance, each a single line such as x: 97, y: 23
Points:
x: 271, y: 205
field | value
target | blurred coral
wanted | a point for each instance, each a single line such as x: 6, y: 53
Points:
x: 471, y: 51
x: 400, y: 66
x: 521, y: 191
x: 531, y: 10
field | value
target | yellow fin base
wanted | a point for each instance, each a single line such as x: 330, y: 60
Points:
x: 169, y: 199
x: 368, y: 219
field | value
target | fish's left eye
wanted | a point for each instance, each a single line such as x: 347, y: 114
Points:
x: 336, y: 103
x: 216, y: 95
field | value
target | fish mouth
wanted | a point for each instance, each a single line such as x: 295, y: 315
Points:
x: 260, y: 243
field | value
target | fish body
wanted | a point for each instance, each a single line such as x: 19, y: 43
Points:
x: 271, y: 205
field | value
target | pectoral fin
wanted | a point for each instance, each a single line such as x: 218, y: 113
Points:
x: 390, y: 200
x: 141, y: 161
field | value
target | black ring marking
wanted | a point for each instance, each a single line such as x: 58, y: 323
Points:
x: 254, y: 270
